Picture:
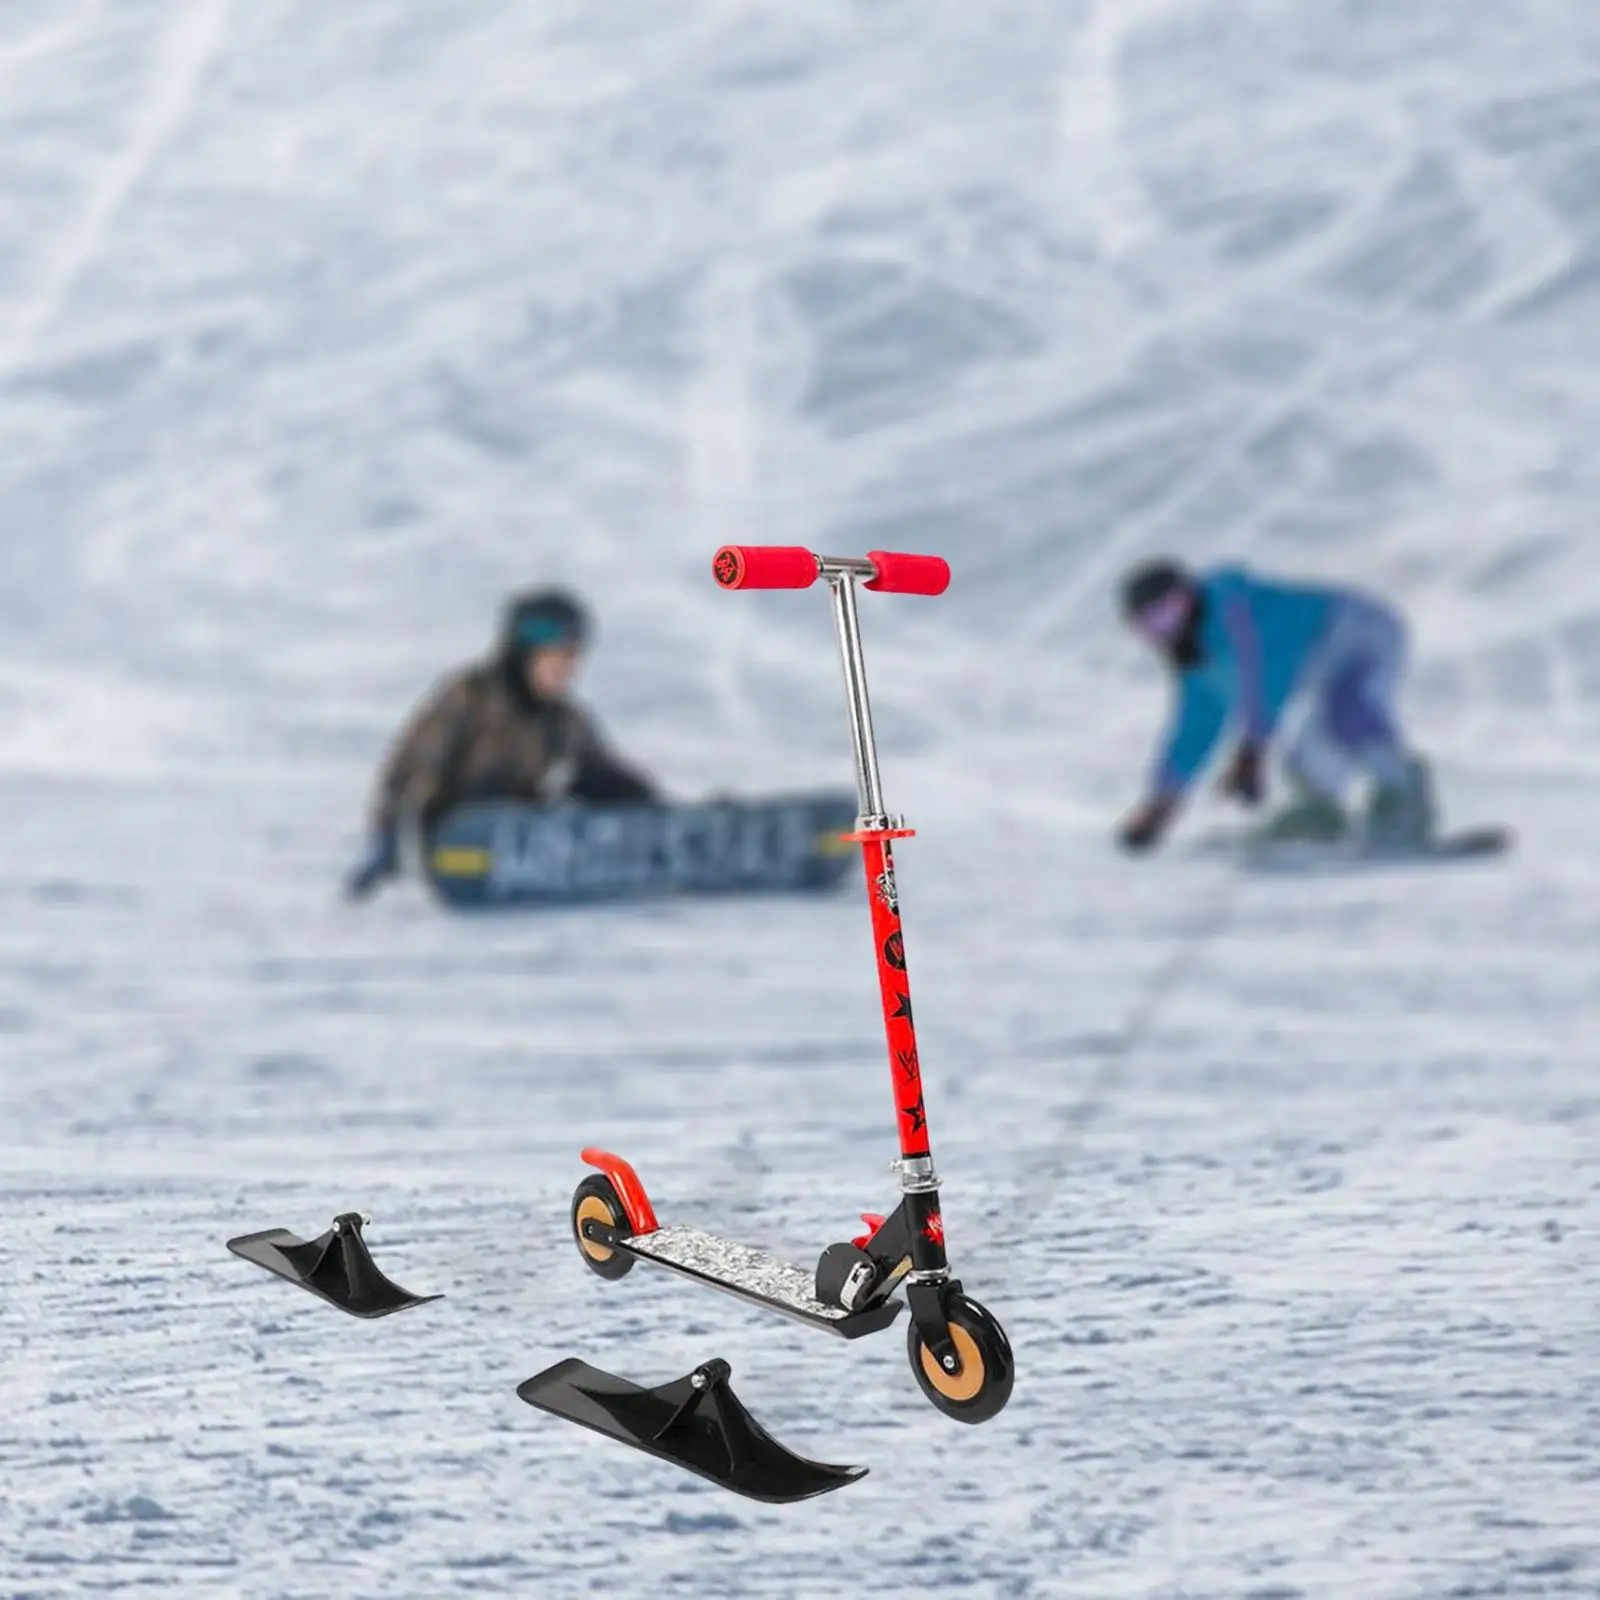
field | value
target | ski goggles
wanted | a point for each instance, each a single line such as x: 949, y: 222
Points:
x: 1163, y: 620
x: 546, y: 633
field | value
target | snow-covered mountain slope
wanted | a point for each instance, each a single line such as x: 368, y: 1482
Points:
x: 323, y: 327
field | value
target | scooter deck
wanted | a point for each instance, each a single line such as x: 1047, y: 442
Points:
x: 753, y: 1275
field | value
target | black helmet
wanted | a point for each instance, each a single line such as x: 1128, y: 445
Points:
x: 548, y: 619
x: 1151, y: 581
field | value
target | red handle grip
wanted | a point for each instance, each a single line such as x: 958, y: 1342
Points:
x: 899, y: 574
x: 764, y: 566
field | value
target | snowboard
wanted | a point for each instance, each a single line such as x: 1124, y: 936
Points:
x: 1305, y: 855
x: 505, y: 854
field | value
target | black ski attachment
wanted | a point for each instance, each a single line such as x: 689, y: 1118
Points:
x: 697, y: 1423
x: 335, y: 1266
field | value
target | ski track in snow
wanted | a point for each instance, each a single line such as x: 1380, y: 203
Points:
x: 175, y: 72
x: 319, y: 330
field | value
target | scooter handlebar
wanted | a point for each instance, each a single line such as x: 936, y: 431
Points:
x: 755, y: 566
x: 902, y: 574
x: 764, y: 566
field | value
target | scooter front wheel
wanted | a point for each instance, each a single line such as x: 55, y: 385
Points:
x: 981, y: 1388
x: 595, y: 1200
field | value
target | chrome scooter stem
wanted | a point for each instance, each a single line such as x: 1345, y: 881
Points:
x: 869, y: 785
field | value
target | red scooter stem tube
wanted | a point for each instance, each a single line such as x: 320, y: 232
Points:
x: 902, y: 574
x: 895, y: 986
x: 764, y: 566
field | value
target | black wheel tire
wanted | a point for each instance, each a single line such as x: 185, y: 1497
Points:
x: 596, y: 1200
x: 982, y: 1387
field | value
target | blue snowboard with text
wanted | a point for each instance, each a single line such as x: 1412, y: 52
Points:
x: 503, y: 854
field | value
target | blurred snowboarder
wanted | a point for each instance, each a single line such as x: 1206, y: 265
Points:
x: 1259, y: 654
x: 505, y: 729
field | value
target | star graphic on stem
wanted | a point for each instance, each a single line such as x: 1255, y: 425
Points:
x: 918, y: 1115
x: 902, y: 1008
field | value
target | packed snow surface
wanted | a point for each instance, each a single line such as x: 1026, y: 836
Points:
x: 322, y: 327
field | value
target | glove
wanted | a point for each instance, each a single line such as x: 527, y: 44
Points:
x: 1142, y: 831
x: 379, y: 860
x: 1244, y: 781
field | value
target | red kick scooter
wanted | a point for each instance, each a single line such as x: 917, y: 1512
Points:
x: 959, y: 1353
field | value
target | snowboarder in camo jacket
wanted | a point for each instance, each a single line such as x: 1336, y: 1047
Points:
x: 1259, y: 654
x: 503, y: 729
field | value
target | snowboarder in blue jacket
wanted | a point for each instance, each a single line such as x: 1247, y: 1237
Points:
x: 1316, y: 665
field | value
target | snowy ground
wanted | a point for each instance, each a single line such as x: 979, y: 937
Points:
x: 319, y: 331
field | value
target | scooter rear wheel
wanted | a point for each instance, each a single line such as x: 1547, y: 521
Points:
x: 595, y: 1200
x: 981, y: 1388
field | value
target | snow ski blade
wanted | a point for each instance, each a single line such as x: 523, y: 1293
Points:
x: 696, y: 1423
x: 335, y: 1266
